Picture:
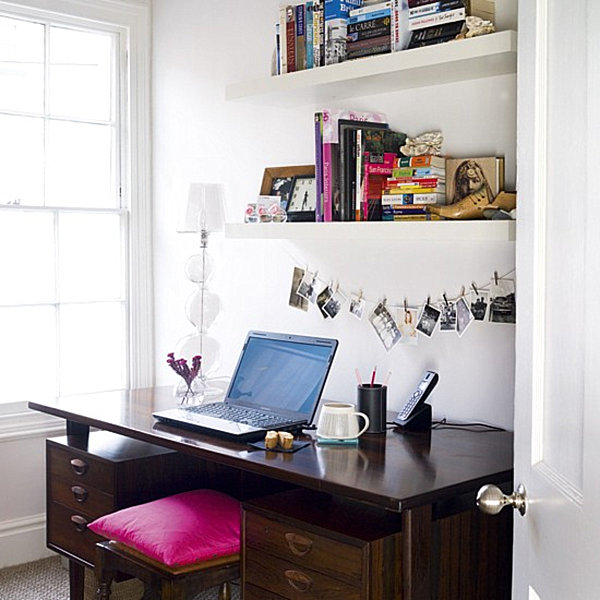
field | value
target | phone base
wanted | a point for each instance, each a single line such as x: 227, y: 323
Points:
x: 420, y: 420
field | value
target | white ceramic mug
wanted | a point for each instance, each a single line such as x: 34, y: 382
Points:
x: 339, y: 421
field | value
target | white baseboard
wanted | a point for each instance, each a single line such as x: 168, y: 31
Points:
x: 23, y: 540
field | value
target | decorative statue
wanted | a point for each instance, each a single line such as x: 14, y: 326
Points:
x: 426, y: 143
x: 475, y: 26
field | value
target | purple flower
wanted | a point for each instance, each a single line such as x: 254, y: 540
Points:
x: 181, y: 367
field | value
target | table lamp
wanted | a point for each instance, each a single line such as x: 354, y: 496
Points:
x: 202, y: 213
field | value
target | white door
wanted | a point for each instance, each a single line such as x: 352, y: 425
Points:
x: 557, y: 396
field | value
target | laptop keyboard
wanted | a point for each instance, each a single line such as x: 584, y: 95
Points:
x: 247, y: 416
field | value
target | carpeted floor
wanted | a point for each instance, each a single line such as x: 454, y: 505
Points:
x: 48, y: 579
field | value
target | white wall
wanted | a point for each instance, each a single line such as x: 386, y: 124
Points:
x: 199, y: 47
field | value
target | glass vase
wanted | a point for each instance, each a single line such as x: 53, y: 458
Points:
x: 190, y: 394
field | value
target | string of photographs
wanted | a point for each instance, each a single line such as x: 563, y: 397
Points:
x: 492, y: 302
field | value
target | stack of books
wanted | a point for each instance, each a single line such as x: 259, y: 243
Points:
x: 434, y: 22
x: 369, y: 30
x: 416, y: 182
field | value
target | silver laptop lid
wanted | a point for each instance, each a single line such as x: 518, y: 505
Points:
x: 282, y: 373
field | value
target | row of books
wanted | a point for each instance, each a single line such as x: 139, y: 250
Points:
x: 323, y: 32
x: 362, y: 175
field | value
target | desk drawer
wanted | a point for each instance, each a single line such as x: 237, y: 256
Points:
x: 79, y: 496
x: 292, y: 581
x: 302, y: 547
x: 67, y: 530
x: 80, y: 467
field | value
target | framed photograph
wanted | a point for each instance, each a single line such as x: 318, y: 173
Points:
x: 281, y: 181
x: 447, y: 316
x: 428, y: 320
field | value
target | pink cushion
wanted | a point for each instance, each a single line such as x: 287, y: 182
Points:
x: 177, y: 530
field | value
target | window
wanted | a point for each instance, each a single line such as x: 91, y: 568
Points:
x: 69, y: 208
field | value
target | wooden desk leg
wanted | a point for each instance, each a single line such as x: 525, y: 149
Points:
x: 416, y: 553
x: 77, y: 429
x: 76, y: 580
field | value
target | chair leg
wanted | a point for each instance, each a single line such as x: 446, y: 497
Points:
x: 225, y: 591
x: 171, y: 590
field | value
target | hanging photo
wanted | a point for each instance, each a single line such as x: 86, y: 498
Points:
x: 447, y: 316
x: 357, y: 305
x: 479, y: 302
x: 385, y: 326
x: 322, y: 300
x: 408, y: 327
x: 502, y: 301
x: 295, y: 300
x: 333, y: 306
x: 430, y: 315
x: 464, y: 316
x: 306, y: 289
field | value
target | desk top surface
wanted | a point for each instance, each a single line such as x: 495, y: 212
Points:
x: 394, y: 470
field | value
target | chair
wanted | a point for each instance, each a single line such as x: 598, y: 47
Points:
x: 177, y: 545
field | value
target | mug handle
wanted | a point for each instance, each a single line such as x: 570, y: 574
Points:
x: 367, y: 423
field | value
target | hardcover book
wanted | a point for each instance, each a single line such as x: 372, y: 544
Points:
x: 309, y: 32
x: 300, y: 37
x: 290, y: 33
x: 423, y: 160
x: 336, y: 22
x: 439, y: 18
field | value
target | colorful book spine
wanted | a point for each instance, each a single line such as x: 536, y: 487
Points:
x: 382, y: 40
x: 310, y: 61
x: 318, y: 33
x: 422, y: 160
x: 434, y: 7
x: 283, y: 40
x: 300, y: 37
x: 277, y: 49
x: 418, y: 172
x: 412, y: 199
x: 449, y: 16
x: 319, y: 216
x: 369, y: 9
x: 430, y: 35
x: 413, y: 3
x: 290, y: 33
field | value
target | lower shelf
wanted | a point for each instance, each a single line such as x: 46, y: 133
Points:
x: 429, y: 231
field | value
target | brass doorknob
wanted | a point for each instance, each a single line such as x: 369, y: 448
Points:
x: 491, y: 499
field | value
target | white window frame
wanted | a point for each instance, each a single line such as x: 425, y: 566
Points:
x: 131, y: 19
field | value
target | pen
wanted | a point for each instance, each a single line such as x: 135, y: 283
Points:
x: 358, y: 379
x: 373, y: 375
x: 387, y: 378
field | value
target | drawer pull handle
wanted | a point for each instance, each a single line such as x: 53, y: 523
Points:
x: 299, y: 544
x: 80, y: 493
x: 79, y: 466
x: 79, y: 522
x: 298, y: 580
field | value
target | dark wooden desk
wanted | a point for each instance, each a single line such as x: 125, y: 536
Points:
x: 430, y: 481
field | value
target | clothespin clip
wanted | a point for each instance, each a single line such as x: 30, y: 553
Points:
x: 445, y: 299
x: 462, y: 291
x: 474, y: 288
x: 405, y: 306
x: 496, y: 277
x: 428, y: 301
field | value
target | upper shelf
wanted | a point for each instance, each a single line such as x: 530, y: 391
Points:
x: 412, y: 231
x: 484, y: 56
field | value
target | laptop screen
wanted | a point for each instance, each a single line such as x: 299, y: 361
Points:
x: 282, y: 373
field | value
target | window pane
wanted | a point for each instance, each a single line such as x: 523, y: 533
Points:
x: 90, y: 261
x: 80, y: 74
x: 21, y: 66
x: 21, y: 160
x: 92, y: 355
x: 79, y: 165
x: 28, y: 353
x: 26, y: 257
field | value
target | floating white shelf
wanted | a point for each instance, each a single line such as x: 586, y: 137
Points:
x: 415, y: 231
x: 484, y: 56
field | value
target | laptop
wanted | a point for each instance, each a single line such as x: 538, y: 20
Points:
x: 276, y: 385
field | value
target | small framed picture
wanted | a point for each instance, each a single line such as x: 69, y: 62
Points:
x: 408, y: 326
x: 447, y: 316
x: 306, y: 289
x: 357, y: 305
x: 280, y: 181
x: 479, y: 302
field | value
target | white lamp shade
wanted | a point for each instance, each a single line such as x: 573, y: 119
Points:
x: 203, y: 209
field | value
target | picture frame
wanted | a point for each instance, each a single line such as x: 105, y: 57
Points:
x: 284, y: 181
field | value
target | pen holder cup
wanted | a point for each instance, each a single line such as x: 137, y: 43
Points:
x: 372, y: 400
